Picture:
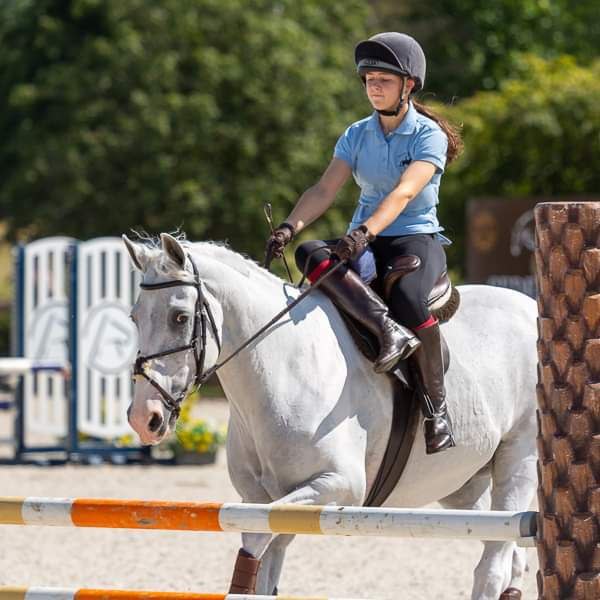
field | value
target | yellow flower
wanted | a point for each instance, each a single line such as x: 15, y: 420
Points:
x: 197, y: 435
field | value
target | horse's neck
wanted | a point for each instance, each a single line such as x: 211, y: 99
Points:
x: 248, y: 295
x: 248, y: 299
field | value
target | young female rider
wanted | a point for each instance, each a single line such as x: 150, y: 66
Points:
x: 397, y: 157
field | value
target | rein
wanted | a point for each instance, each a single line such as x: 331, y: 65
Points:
x: 201, y: 313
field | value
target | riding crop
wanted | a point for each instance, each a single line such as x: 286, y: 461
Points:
x: 269, y: 256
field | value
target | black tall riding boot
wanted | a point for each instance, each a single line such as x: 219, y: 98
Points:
x: 358, y: 300
x: 430, y: 362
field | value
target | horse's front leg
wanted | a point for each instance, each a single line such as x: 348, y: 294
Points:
x: 345, y: 487
x: 271, y: 551
x: 261, y: 558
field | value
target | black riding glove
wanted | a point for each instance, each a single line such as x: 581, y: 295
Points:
x: 279, y: 239
x: 353, y: 244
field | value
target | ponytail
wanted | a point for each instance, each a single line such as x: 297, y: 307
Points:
x: 455, y: 143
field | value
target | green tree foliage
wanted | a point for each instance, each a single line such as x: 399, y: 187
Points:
x: 473, y: 45
x: 170, y: 113
x: 539, y: 135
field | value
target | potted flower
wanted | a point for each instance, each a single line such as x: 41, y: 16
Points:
x: 195, y: 441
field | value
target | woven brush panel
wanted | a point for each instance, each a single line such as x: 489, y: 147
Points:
x: 568, y: 392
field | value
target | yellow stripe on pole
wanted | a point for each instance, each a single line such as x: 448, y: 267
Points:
x: 291, y: 517
x: 13, y: 593
x: 11, y: 511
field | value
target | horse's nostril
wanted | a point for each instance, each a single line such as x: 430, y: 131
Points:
x: 129, y: 412
x: 155, y: 422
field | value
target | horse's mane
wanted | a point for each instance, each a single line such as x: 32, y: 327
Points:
x: 245, y: 265
x: 218, y: 251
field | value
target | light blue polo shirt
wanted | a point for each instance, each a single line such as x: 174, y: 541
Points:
x: 378, y: 161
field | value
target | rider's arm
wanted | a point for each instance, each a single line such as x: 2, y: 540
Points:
x: 413, y: 180
x: 318, y: 198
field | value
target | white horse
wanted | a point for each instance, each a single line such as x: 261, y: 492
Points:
x: 310, y: 419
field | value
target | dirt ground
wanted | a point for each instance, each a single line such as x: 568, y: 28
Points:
x: 376, y: 568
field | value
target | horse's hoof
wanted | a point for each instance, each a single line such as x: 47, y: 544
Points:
x: 511, y: 594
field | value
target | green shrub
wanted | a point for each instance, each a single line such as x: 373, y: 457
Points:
x: 170, y: 113
x: 539, y: 135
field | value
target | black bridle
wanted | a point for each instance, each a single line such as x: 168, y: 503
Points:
x: 197, y: 343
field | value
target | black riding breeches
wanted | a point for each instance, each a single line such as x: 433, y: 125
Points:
x: 409, y: 295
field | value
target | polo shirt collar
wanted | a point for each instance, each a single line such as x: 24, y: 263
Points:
x: 373, y: 123
x: 406, y: 127
x: 409, y: 123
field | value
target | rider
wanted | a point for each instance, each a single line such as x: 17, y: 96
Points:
x: 397, y: 157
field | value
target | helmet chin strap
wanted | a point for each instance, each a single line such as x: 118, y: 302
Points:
x: 396, y: 111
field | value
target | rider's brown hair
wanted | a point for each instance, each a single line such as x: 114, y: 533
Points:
x: 455, y: 143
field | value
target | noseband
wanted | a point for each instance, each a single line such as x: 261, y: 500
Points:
x: 197, y: 344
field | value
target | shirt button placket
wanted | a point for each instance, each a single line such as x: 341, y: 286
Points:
x: 387, y: 158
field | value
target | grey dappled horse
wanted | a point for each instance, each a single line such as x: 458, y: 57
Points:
x: 309, y: 418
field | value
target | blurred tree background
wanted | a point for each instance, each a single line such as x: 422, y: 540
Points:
x: 159, y: 114
x: 169, y: 113
x: 473, y: 45
x: 538, y: 135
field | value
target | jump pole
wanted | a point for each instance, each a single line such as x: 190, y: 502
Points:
x: 270, y: 518
x: 21, y: 366
x: 568, y: 277
x: 42, y: 593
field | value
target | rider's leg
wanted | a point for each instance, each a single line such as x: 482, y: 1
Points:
x: 350, y: 294
x: 408, y: 300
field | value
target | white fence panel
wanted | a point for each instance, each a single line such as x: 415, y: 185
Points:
x: 45, y: 328
x: 106, y: 338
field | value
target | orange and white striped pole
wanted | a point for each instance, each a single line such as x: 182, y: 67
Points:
x: 40, y: 593
x: 271, y: 518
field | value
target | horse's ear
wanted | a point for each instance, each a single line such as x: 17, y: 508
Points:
x: 173, y: 249
x: 137, y: 252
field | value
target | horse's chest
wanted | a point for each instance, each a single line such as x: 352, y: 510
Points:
x: 290, y: 455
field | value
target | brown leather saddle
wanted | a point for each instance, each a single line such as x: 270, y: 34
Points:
x: 443, y: 302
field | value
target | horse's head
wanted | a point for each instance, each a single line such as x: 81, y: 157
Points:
x: 179, y: 333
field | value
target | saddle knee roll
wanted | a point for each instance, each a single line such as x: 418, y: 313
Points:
x: 396, y: 269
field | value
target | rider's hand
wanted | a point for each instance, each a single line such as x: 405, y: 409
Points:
x: 353, y: 244
x: 279, y: 239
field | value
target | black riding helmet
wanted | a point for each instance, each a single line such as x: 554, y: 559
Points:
x: 392, y: 52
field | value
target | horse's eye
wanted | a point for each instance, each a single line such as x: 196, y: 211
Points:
x: 181, y: 318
